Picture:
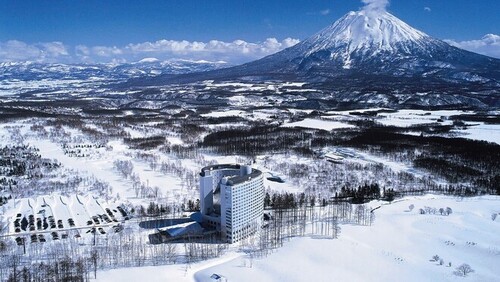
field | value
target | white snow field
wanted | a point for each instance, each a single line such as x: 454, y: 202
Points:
x: 229, y: 113
x: 399, y: 246
x: 319, y: 124
x: 482, y: 131
x: 405, y: 118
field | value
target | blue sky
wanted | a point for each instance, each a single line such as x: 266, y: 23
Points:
x: 60, y: 30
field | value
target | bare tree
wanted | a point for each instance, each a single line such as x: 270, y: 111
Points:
x: 448, y: 211
x: 463, y: 270
x: 335, y: 227
x: 94, y: 256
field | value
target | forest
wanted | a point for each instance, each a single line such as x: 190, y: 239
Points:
x: 136, y: 146
x: 460, y: 161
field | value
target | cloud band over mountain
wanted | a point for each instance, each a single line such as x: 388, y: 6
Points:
x: 235, y: 52
x: 488, y: 45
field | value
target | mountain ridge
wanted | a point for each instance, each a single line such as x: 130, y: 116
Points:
x: 370, y: 53
x: 414, y: 51
x: 32, y: 70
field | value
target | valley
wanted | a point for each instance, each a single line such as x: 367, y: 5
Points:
x: 118, y: 167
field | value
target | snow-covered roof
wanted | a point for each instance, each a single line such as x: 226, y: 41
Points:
x: 182, y: 229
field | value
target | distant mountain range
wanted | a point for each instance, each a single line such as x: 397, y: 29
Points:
x: 31, y: 71
x: 376, y: 57
x: 364, y: 59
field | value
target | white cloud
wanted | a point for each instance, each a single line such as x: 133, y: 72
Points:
x: 14, y: 50
x: 105, y: 51
x: 235, y: 52
x: 489, y: 45
x: 17, y: 50
x: 376, y: 6
x: 427, y: 9
x: 54, y: 49
x: 82, y: 50
x: 324, y: 12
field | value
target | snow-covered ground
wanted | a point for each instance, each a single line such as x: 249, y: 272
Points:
x: 405, y: 118
x: 401, y: 118
x: 78, y: 209
x: 319, y: 124
x: 482, y: 131
x: 399, y: 246
x: 99, y: 164
x: 409, y: 118
x: 230, y: 113
x: 175, y: 272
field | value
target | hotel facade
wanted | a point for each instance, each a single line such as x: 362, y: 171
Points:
x: 232, y: 200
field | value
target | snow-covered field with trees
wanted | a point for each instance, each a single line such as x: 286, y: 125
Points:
x: 401, y: 244
x: 319, y: 124
x: 367, y: 152
x: 62, y: 181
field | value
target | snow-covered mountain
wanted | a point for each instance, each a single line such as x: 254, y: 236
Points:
x: 357, y: 31
x: 360, y: 35
x: 373, y: 52
x: 366, y: 58
x: 33, y: 71
x: 368, y: 43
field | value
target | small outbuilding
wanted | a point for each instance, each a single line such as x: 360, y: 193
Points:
x: 177, y: 231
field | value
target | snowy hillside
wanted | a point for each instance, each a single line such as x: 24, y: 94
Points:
x: 369, y: 35
x: 28, y: 71
x: 360, y: 30
x: 399, y: 246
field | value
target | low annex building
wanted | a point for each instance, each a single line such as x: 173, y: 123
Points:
x: 232, y: 199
